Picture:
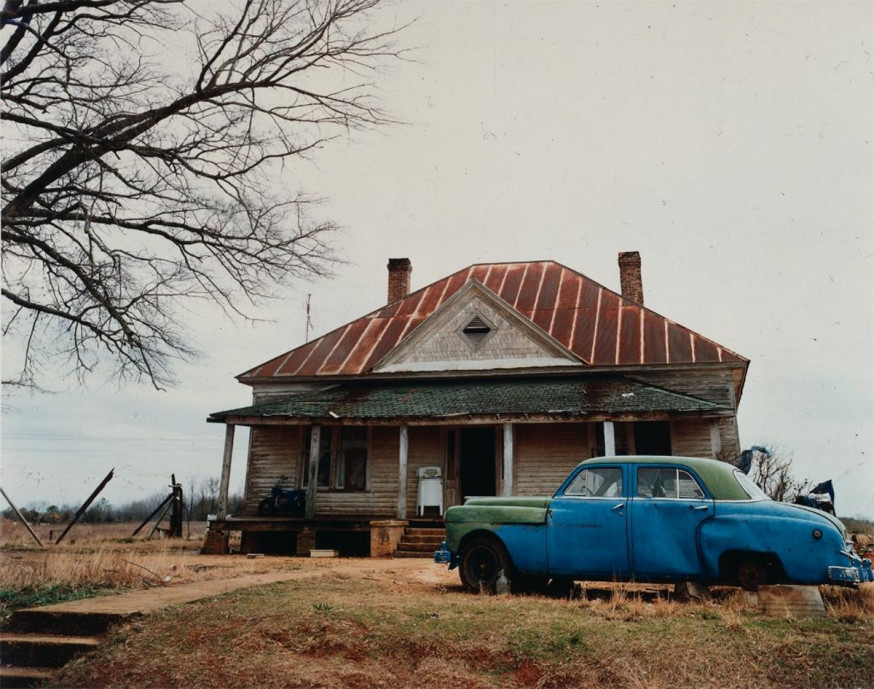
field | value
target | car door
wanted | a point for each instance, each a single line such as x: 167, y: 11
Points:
x: 586, y: 525
x: 668, y: 506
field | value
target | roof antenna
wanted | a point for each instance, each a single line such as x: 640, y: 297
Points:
x: 309, y: 323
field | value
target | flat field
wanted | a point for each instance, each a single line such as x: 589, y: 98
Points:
x: 357, y: 623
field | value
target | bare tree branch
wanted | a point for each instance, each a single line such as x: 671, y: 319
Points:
x: 132, y: 182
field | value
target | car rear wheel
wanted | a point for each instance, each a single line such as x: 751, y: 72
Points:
x: 751, y: 573
x: 482, y: 561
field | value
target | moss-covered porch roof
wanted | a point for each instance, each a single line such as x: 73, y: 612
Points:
x: 494, y: 397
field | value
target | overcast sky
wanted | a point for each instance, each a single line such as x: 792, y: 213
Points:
x: 729, y: 143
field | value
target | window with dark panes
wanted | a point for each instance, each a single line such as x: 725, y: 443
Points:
x: 620, y: 438
x: 352, y: 458
x: 323, y: 477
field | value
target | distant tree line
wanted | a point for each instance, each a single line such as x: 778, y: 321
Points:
x: 200, y: 498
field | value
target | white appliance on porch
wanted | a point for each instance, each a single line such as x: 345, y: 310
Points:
x: 430, y: 489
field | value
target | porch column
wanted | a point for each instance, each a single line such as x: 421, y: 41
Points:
x: 403, y: 455
x: 507, y: 485
x: 609, y: 439
x: 226, y: 471
x: 313, y: 470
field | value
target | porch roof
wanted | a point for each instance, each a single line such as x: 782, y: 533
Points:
x: 531, y: 397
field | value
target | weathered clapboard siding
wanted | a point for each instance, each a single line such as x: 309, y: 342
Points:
x: 728, y: 434
x: 692, y: 438
x: 545, y: 455
x: 274, y: 452
x: 713, y: 385
x: 381, y: 500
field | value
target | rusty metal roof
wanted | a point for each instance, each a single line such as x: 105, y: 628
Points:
x: 557, y: 397
x: 598, y: 325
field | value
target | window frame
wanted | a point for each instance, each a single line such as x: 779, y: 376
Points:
x: 676, y: 478
x: 333, y: 454
x: 573, y: 480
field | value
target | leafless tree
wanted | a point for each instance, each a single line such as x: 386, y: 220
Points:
x: 143, y: 141
x: 772, y: 472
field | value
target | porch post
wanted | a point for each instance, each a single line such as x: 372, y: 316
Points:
x: 313, y: 469
x: 403, y: 455
x: 507, y: 485
x: 226, y: 471
x: 609, y: 439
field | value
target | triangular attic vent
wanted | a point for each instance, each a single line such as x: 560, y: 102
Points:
x: 476, y: 330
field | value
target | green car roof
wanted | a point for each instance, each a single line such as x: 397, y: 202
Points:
x: 718, y: 477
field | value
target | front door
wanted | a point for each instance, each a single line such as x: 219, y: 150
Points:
x: 477, y: 460
x: 586, y: 525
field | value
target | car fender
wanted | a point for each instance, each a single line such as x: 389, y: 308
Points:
x: 520, y: 528
x: 789, y: 537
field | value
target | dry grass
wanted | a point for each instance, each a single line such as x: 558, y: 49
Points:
x: 100, y: 559
x: 403, y: 627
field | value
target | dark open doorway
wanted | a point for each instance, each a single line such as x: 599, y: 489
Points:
x: 652, y: 438
x: 477, y: 461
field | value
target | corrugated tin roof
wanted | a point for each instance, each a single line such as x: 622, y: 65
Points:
x: 598, y: 325
x: 436, y: 399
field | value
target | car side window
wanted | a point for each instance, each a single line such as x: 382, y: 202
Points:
x: 659, y: 482
x: 599, y: 482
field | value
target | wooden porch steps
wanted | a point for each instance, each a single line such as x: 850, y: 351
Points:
x: 420, y: 542
x: 31, y: 657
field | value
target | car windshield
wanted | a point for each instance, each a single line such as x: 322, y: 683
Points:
x: 749, y: 487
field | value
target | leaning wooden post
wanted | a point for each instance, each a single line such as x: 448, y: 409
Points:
x: 21, y: 517
x: 149, y: 518
x: 85, y: 505
x: 167, y: 507
x: 403, y: 455
x: 313, y: 470
x: 226, y: 472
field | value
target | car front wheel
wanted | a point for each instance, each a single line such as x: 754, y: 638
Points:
x: 482, y: 561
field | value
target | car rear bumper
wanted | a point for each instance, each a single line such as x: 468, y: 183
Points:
x: 858, y: 572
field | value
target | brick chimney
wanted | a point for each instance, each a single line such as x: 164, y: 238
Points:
x: 630, y: 277
x: 399, y: 270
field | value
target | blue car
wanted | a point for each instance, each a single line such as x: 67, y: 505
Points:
x: 655, y: 519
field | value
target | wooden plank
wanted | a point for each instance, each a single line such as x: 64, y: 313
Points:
x: 21, y: 517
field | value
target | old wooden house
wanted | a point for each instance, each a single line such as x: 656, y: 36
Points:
x: 500, y: 378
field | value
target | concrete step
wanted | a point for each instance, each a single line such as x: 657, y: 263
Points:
x: 426, y: 532
x: 419, y: 547
x: 65, y: 623
x: 414, y: 553
x: 422, y: 538
x: 43, y: 650
x: 15, y: 677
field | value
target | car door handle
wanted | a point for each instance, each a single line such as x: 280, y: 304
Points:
x: 699, y: 508
x: 617, y: 507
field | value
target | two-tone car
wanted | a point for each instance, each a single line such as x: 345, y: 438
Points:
x: 655, y: 519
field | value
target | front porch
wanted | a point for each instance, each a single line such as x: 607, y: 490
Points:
x: 361, y: 454
x: 283, y: 535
